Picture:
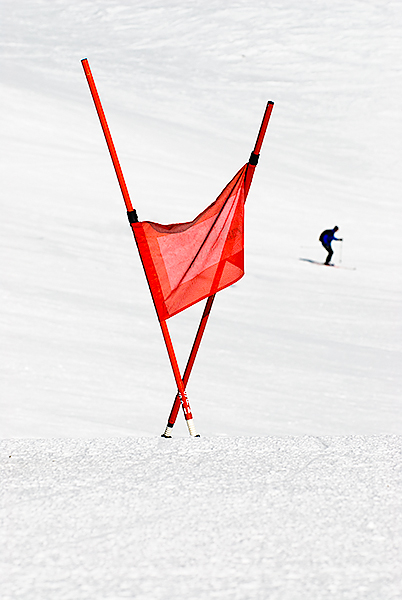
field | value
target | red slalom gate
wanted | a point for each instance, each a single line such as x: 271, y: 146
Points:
x: 205, y: 264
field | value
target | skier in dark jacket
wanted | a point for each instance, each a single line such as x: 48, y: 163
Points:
x: 326, y: 238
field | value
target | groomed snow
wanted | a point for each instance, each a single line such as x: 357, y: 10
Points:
x: 240, y: 518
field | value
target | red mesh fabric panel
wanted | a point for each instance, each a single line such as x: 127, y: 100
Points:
x: 186, y: 262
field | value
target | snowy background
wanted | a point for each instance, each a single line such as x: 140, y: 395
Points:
x: 293, y: 349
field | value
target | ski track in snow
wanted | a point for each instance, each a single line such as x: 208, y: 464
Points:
x: 282, y: 518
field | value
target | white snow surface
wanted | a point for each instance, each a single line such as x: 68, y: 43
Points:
x: 234, y: 518
x: 293, y: 490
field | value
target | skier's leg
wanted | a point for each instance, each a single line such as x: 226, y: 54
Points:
x: 330, y: 253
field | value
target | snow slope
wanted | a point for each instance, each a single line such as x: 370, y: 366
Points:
x: 293, y: 490
x: 292, y: 348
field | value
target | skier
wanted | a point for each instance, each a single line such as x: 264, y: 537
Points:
x: 326, y: 238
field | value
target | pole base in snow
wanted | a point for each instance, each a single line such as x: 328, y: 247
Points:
x: 191, y: 428
x: 168, y: 432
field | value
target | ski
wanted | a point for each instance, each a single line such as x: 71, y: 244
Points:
x: 323, y: 264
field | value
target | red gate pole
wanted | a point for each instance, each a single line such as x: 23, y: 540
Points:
x: 179, y: 382
x: 108, y: 137
x: 252, y: 163
x: 189, y: 366
x: 132, y: 216
x: 203, y: 323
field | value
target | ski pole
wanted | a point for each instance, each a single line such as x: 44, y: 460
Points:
x: 340, y: 258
